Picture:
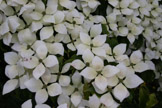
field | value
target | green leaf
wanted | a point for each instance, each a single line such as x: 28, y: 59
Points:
x: 143, y: 96
x: 152, y: 101
x: 88, y: 90
x: 138, y: 42
x: 72, y: 58
x: 104, y: 29
x: 44, y: 1
x: 148, y: 76
x: 112, y: 41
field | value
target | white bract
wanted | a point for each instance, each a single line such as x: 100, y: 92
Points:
x: 76, y: 53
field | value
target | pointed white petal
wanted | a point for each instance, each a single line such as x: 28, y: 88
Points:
x: 33, y: 85
x: 99, y: 40
x: 132, y: 81
x: 76, y: 98
x: 7, y: 39
x: 64, y: 80
x: 31, y: 62
x: 42, y: 51
x: 63, y: 99
x: 9, y: 86
x: 35, y: 26
x: 26, y: 36
x: 97, y: 89
x: 67, y: 4
x: 123, y: 31
x: 93, y: 4
x: 40, y: 6
x: 4, y: 28
x: 87, y: 56
x: 61, y: 28
x: 78, y: 64
x: 76, y: 78
x: 50, y: 61
x: 109, y: 71
x: 134, y: 5
x: 46, y: 32
x: 56, y: 48
x: 120, y: 92
x: 107, y: 99
x: 131, y: 38
x: 127, y: 11
x: 136, y: 57
x: 95, y: 30
x: 35, y: 15
x: 54, y: 89
x: 13, y: 23
x: 39, y: 71
x: 124, y: 4
x: 97, y: 63
x: 119, y: 49
x: 81, y: 48
x: 68, y: 90
x: 94, y: 101
x: 51, y: 6
x: 59, y: 17
x: 101, y: 82
x: 11, y: 71
x: 49, y: 19
x: 85, y: 38
x: 27, y: 104
x: 99, y: 51
x: 41, y: 96
x: 114, y: 27
x: 89, y: 73
x: 22, y: 80
x: 66, y: 67
x: 42, y: 106
x: 112, y: 81
x: 11, y: 57
x: 63, y: 106
x: 141, y: 67
x: 46, y: 77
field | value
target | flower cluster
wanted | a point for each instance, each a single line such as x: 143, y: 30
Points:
x: 61, y: 49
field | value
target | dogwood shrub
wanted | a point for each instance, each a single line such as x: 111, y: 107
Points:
x: 83, y: 53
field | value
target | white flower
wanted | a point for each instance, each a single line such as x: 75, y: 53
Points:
x: 94, y: 101
x: 120, y: 92
x: 56, y: 48
x: 96, y: 43
x: 67, y: 4
x: 54, y: 89
x: 42, y: 106
x: 107, y: 100
x: 27, y: 104
x: 76, y: 98
x: 117, y: 53
x: 41, y: 96
x: 137, y: 63
x: 78, y: 64
x: 132, y: 81
x: 11, y: 58
x: 33, y: 85
x: 26, y: 36
x: 4, y: 28
x: 9, y: 86
x: 46, y: 32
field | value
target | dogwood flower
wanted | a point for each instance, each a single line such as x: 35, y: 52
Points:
x: 28, y: 104
x: 116, y: 54
x: 99, y: 72
x: 135, y: 63
x: 95, y: 44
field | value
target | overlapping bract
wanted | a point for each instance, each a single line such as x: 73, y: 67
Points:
x: 40, y: 35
